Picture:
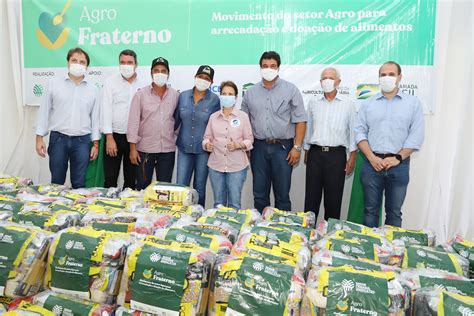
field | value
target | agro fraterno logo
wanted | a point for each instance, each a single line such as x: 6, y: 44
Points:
x: 155, y: 257
x: 52, y: 32
x: 421, y: 253
x: 57, y: 310
x: 38, y: 90
x: 69, y: 244
x: 347, y: 286
x: 345, y: 248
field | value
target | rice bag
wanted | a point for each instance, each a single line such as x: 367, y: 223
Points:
x: 420, y: 237
x: 87, y: 264
x: 176, y: 273
x: 433, y: 301
x: 250, y: 286
x: 61, y: 304
x: 23, y: 252
x: 333, y: 224
x: 216, y: 243
x: 29, y: 309
x: 347, y: 291
x: 426, y: 257
x: 465, y: 249
x: 305, y: 219
x: 245, y: 217
x: 170, y: 194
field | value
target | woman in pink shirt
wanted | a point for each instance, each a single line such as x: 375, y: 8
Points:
x: 228, y: 137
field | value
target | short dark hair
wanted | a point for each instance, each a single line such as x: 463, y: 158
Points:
x: 129, y: 52
x: 270, y: 55
x: 80, y: 51
x: 390, y: 62
x: 230, y: 84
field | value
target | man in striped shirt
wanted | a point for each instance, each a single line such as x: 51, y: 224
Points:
x: 328, y: 142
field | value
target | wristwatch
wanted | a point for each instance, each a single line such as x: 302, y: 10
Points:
x: 298, y: 148
x: 399, y: 157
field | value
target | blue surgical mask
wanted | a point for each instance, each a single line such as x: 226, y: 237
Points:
x: 227, y: 101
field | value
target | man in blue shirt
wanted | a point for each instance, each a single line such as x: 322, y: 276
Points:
x: 195, y: 106
x: 389, y: 128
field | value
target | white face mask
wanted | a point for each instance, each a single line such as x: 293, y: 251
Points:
x: 160, y: 79
x: 328, y: 85
x: 77, y: 70
x: 268, y: 73
x: 201, y: 84
x: 127, y: 71
x: 387, y: 83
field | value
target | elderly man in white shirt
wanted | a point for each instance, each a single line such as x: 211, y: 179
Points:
x: 70, y: 112
x: 118, y: 92
x: 328, y: 141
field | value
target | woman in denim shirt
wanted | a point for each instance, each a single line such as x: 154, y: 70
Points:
x: 195, y: 106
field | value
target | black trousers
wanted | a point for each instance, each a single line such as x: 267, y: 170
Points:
x: 112, y: 164
x: 325, y: 174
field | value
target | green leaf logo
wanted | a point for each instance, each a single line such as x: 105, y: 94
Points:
x: 38, y: 90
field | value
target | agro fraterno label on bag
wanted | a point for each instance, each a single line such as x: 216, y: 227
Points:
x: 71, y: 264
x: 361, y: 237
x: 61, y: 306
x: 239, y: 217
x: 111, y: 227
x: 272, y: 233
x: 262, y: 288
x: 334, y: 224
x: 356, y: 294
x: 288, y: 218
x: 34, y: 218
x: 360, y: 249
x: 463, y: 287
x: 180, y: 235
x: 158, y: 285
x: 465, y: 252
x: 412, y: 238
x: 11, y: 242
x: 454, y: 306
x: 423, y: 258
x: 337, y: 262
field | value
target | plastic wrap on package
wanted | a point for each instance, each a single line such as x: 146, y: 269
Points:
x: 305, y: 219
x: 310, y: 233
x: 10, y: 183
x: 195, y: 210
x: 278, y: 233
x: 346, y: 290
x: 222, y: 221
x: 229, y: 276
x: 176, y: 273
x: 44, y: 199
x: 23, y: 250
x: 61, y: 304
x: 87, y: 264
x: 170, y: 194
x: 9, y: 207
x: 223, y: 230
x: 216, y: 243
x: 48, y: 217
x: 422, y: 237
x: 29, y: 309
x: 427, y: 257
x: 333, y: 224
x: 434, y: 301
x: 50, y: 187
x: 465, y: 248
x: 245, y: 217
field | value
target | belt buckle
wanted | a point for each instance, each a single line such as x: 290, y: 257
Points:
x: 325, y: 148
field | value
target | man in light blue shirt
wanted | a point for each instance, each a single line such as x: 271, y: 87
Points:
x: 70, y: 113
x: 389, y: 128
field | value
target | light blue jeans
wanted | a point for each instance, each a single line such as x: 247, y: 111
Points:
x: 227, y: 187
x: 197, y: 164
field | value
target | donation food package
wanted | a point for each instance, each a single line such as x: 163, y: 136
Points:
x: 250, y: 286
x: 61, y: 304
x: 263, y: 247
x: 426, y: 257
x: 305, y: 219
x: 465, y: 249
x: 211, y: 229
x: 332, y: 224
x: 194, y: 211
x: 23, y: 252
x: 278, y: 233
x: 28, y: 309
x: 222, y: 221
x: 348, y: 291
x: 87, y: 264
x: 420, y: 237
x: 9, y: 207
x: 11, y: 183
x: 170, y: 194
x: 216, y: 243
x: 52, y: 217
x: 310, y: 233
x: 447, y: 281
x: 245, y: 217
x: 50, y: 187
x: 433, y: 301
x: 166, y: 278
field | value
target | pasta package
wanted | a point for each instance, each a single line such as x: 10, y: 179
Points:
x: 87, y: 264
x: 305, y: 219
x: 426, y: 257
x: 250, y: 286
x: 23, y: 252
x: 465, y: 249
x: 176, y: 273
x: 433, y: 301
x: 348, y: 291
x: 409, y: 237
x: 170, y: 194
x: 63, y: 305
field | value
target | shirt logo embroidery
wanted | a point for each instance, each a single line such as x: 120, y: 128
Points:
x: 235, y: 122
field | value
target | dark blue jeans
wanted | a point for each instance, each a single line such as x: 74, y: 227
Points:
x: 394, y: 182
x: 270, y: 168
x: 162, y: 163
x: 197, y: 164
x: 73, y: 150
x: 227, y: 187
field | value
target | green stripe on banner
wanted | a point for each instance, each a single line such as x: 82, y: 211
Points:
x: 95, y: 176
x: 356, y: 204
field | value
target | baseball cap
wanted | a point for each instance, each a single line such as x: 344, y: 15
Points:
x: 207, y: 70
x: 160, y: 61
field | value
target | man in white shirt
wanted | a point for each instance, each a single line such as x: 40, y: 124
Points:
x: 329, y: 138
x: 70, y: 110
x: 118, y: 92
